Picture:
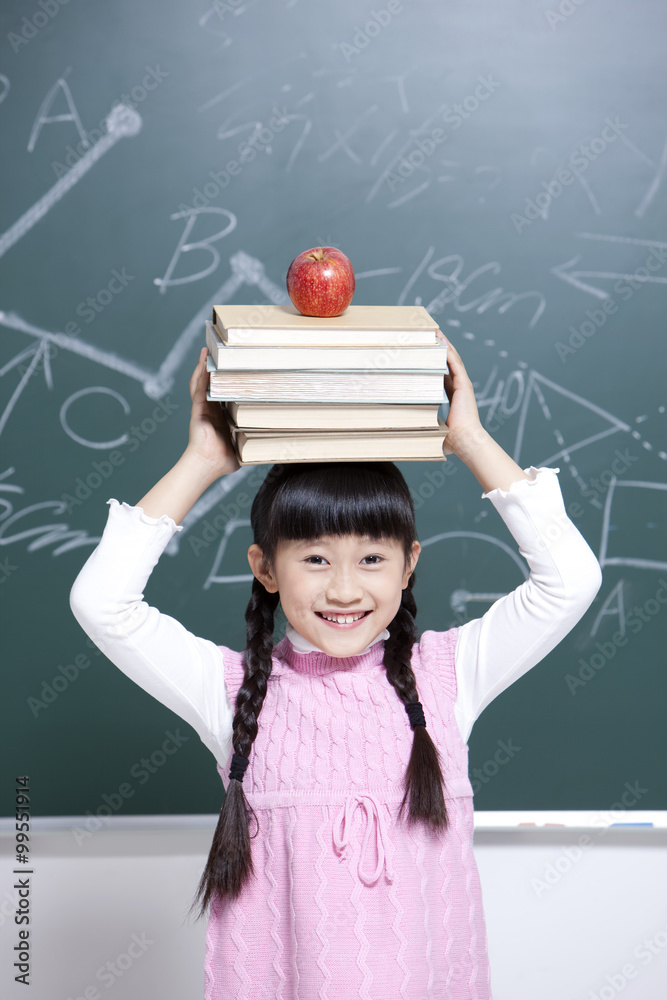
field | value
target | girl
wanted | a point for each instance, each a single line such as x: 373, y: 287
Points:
x: 342, y: 862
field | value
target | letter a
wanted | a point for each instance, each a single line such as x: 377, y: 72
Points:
x: 43, y: 119
x: 614, y: 606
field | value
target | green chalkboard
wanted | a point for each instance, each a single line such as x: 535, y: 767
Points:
x: 502, y: 164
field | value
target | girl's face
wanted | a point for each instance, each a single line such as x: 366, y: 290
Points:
x: 339, y: 592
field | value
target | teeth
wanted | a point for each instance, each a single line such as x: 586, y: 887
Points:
x: 344, y: 619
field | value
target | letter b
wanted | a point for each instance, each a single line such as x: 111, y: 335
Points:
x: 50, y: 6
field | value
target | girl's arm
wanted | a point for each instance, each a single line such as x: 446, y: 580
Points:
x: 521, y: 628
x: 179, y: 669
x: 182, y: 671
x: 466, y: 438
x: 208, y: 456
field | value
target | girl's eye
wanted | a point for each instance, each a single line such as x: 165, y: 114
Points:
x: 372, y: 560
x: 315, y: 560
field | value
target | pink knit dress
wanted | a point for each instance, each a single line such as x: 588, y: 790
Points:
x: 348, y: 901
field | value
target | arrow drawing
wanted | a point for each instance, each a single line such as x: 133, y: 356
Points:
x: 572, y: 277
x: 122, y: 121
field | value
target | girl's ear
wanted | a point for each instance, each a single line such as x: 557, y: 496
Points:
x: 260, y: 570
x: 416, y: 549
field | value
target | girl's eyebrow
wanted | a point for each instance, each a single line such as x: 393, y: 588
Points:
x: 364, y: 539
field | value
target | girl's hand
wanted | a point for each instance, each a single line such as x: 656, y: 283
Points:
x: 463, y: 421
x: 209, y: 437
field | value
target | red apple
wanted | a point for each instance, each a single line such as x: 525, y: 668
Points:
x: 320, y: 282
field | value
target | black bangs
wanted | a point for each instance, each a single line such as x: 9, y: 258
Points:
x: 312, y: 500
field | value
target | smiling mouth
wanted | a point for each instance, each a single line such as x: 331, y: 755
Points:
x: 343, y: 619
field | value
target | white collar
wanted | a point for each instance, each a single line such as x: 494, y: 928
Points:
x: 302, y: 645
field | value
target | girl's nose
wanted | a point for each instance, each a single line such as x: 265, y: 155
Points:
x: 344, y: 588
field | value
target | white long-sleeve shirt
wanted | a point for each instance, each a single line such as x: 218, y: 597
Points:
x: 187, y: 673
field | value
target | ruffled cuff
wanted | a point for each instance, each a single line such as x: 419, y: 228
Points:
x: 125, y: 513
x: 520, y: 486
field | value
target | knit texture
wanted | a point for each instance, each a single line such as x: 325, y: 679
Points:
x: 348, y: 901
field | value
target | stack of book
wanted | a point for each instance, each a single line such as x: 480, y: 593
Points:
x: 363, y: 386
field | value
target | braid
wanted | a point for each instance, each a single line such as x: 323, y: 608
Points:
x: 424, y: 782
x: 229, y: 863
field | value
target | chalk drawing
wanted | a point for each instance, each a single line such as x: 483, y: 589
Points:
x: 485, y: 170
x: 86, y: 442
x: 630, y: 240
x: 212, y: 28
x: 573, y: 277
x: 411, y: 194
x: 341, y: 139
x: 381, y: 148
x: 400, y: 83
x: 214, y: 577
x: 299, y: 144
x: 191, y: 215
x: 535, y: 392
x: 454, y: 289
x: 38, y: 353
x: 59, y: 534
x: 460, y: 599
x: 378, y: 272
x: 560, y: 165
x: 43, y: 118
x: 496, y: 542
x: 409, y: 142
x: 156, y: 383
x: 654, y: 186
x: 603, y: 558
x: 122, y: 122
x: 614, y: 605
x: 210, y: 499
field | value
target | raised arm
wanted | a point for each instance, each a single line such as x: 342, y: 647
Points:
x: 181, y: 670
x: 208, y: 456
x: 489, y: 463
x: 519, y: 629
